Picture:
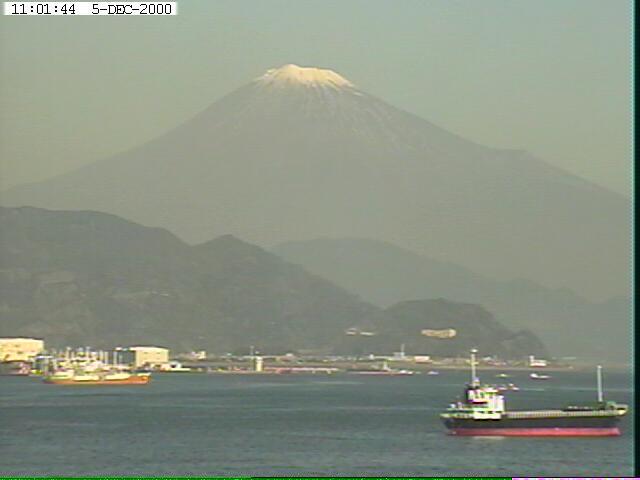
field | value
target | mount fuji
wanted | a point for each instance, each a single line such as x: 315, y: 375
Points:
x: 300, y: 153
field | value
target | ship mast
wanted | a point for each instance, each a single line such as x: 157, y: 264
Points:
x: 474, y: 379
x: 599, y: 379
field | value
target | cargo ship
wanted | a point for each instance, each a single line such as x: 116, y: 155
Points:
x: 70, y: 377
x: 482, y: 412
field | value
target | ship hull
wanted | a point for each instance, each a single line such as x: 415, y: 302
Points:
x: 597, y: 426
x: 536, y: 432
x: 133, y: 380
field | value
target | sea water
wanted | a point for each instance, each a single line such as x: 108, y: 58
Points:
x: 293, y: 425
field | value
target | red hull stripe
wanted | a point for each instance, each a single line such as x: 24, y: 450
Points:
x: 538, y: 432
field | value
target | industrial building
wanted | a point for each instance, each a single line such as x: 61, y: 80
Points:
x: 20, y: 349
x: 139, y: 356
x: 443, y: 333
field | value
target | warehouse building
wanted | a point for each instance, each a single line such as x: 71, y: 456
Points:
x: 142, y: 356
x: 17, y: 349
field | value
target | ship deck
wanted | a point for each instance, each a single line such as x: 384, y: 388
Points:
x: 521, y: 414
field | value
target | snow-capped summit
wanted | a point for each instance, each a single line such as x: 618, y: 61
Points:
x: 308, y: 76
x: 300, y: 153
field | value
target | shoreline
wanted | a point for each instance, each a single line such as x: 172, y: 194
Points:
x: 243, y: 368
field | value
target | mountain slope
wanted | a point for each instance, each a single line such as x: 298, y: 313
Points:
x: 475, y: 328
x: 385, y: 274
x: 300, y: 153
x: 88, y: 278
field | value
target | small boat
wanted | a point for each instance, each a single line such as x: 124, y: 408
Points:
x: 537, y: 376
x: 503, y: 375
x: 510, y: 387
x: 507, y: 388
x: 21, y: 369
x: 175, y: 367
x: 433, y: 372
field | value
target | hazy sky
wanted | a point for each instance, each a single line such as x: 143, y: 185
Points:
x: 549, y: 76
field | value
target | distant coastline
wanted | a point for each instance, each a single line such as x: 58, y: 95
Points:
x: 213, y: 366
